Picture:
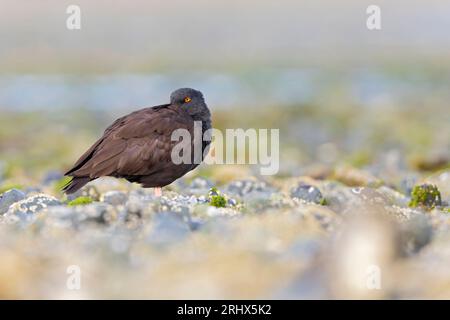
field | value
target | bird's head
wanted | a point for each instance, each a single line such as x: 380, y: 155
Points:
x: 192, y: 101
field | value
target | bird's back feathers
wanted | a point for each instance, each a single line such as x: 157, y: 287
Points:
x: 136, y: 147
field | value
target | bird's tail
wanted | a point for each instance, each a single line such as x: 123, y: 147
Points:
x: 75, y: 184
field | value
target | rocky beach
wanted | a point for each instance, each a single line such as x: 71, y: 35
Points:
x: 346, y: 103
x: 289, y: 238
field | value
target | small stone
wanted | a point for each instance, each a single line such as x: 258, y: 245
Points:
x: 201, y: 183
x: 257, y: 201
x: 347, y: 200
x: 10, y: 197
x: 91, y: 192
x: 98, y: 212
x: 115, y: 198
x: 242, y: 188
x: 202, y: 199
x: 394, y: 197
x: 62, y: 216
x: 415, y: 233
x: 307, y: 193
x: 442, y: 181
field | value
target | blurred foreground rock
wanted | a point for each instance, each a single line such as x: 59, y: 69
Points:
x: 297, y: 238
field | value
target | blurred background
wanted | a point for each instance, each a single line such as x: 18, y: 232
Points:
x: 338, y: 91
x: 354, y: 107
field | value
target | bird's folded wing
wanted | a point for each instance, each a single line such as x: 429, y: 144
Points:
x: 133, y: 145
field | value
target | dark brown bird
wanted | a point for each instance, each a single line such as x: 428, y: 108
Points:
x: 138, y: 146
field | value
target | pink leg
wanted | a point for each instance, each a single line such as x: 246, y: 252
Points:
x: 158, y: 192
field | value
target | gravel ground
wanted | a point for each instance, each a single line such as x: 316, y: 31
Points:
x: 290, y: 238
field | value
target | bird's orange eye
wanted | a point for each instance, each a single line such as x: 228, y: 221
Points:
x: 187, y: 99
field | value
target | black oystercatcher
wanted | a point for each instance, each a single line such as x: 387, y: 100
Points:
x: 138, y: 146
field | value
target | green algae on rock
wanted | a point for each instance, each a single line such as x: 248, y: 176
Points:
x: 425, y: 195
x: 80, y: 201
x: 216, y: 199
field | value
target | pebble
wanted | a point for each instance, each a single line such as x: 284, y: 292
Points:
x: 201, y: 183
x: 10, y: 197
x: 242, y: 188
x: 307, y: 193
x: 114, y: 198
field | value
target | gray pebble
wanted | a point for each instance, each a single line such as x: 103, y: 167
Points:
x: 307, y: 193
x: 10, y: 197
x: 416, y: 233
x: 201, y: 183
x: 242, y: 188
x: 115, y: 198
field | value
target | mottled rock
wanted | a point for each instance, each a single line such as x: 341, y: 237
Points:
x: 168, y: 228
x: 347, y: 200
x: 340, y: 197
x: 242, y: 188
x: 114, y: 198
x: 201, y: 183
x: 416, y: 232
x: 257, y: 201
x: 89, y: 191
x: 442, y: 181
x: 98, y: 212
x: 10, y: 197
x: 394, y: 197
x: 61, y: 216
x: 140, y: 204
x: 101, y: 213
x: 33, y: 204
x: 179, y: 203
x: 307, y: 193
